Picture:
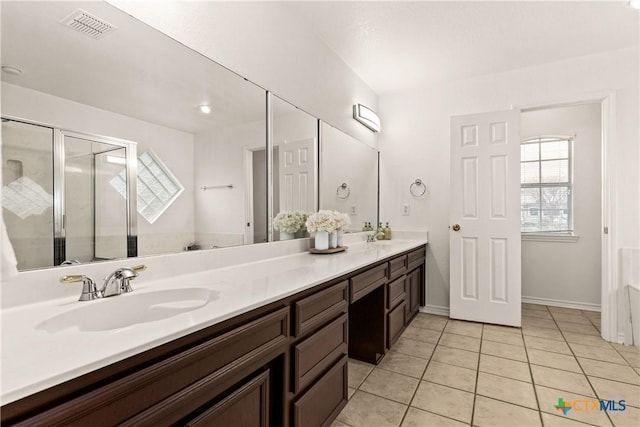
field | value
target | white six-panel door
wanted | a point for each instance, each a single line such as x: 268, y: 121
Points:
x: 297, y: 179
x: 484, y: 218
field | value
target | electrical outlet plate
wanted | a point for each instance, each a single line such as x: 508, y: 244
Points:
x: 354, y: 210
x: 406, y: 210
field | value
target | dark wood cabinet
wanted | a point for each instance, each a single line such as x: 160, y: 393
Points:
x: 415, y: 291
x: 284, y: 364
x: 248, y: 406
x: 396, y: 322
x: 319, y: 406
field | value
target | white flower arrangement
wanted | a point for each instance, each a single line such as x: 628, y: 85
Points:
x: 326, y: 220
x: 290, y: 221
x: 344, y: 220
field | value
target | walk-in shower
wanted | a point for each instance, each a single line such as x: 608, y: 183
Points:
x: 57, y: 198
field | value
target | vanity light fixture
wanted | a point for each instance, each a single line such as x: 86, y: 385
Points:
x: 205, y: 109
x: 634, y: 4
x: 14, y: 71
x: 367, y: 117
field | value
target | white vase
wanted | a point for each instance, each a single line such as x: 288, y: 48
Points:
x: 322, y: 240
x: 286, y: 236
x: 340, y: 234
x: 333, y: 239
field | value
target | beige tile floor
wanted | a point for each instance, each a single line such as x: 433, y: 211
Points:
x: 444, y: 372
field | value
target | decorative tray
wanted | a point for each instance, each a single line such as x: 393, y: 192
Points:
x: 328, y: 251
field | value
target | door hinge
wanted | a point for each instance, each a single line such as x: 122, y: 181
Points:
x: 606, y: 230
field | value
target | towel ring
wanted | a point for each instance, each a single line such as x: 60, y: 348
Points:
x: 340, y: 191
x: 413, y: 188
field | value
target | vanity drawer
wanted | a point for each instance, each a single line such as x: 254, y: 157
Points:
x: 322, y: 403
x: 366, y: 282
x: 316, y: 310
x: 395, y: 323
x: 315, y: 354
x: 397, y: 267
x: 415, y: 258
x: 165, y: 391
x: 396, y: 292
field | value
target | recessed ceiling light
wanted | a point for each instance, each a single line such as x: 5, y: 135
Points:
x: 205, y: 109
x: 634, y: 4
x: 14, y: 71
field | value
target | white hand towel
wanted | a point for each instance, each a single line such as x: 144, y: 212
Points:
x: 9, y: 265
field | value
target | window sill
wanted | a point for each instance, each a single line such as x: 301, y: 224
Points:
x: 540, y: 237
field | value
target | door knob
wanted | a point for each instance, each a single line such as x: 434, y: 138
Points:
x: 455, y: 227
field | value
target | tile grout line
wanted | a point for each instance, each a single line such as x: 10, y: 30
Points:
x: 533, y: 381
x: 475, y: 388
x: 424, y: 372
x: 583, y: 372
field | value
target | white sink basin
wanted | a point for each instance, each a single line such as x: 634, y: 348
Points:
x: 128, y: 309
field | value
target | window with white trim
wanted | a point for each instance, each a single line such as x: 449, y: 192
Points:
x: 546, y: 185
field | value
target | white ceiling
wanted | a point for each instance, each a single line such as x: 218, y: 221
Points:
x: 399, y: 45
x: 135, y: 70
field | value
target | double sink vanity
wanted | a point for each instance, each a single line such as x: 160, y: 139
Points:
x: 261, y: 343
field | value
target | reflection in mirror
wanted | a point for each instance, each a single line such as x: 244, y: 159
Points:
x: 57, y: 203
x: 136, y: 84
x: 27, y: 193
x: 294, y: 169
x: 348, y: 177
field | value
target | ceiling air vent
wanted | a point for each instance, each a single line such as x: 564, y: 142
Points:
x: 87, y: 24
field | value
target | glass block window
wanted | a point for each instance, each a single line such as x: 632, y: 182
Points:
x: 546, y: 185
x: 157, y: 188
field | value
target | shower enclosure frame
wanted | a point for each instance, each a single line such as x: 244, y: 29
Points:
x: 59, y: 200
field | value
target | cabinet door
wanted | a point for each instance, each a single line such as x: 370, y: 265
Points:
x: 395, y: 323
x: 246, y: 407
x: 322, y: 403
x: 414, y: 285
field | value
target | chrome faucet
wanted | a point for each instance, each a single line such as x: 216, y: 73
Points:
x: 89, y: 289
x: 115, y: 284
x: 373, y: 237
x: 118, y: 281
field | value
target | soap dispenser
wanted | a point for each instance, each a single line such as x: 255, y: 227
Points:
x: 380, y: 232
x: 387, y: 232
x: 364, y: 227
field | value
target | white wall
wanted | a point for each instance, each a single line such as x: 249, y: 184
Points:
x: 174, y: 228
x: 415, y: 142
x: 345, y: 160
x: 267, y: 43
x: 569, y: 272
x: 219, y: 160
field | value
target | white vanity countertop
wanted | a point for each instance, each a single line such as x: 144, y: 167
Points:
x: 34, y: 359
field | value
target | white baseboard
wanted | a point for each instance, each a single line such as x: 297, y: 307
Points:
x: 621, y: 339
x: 435, y: 309
x: 562, y: 303
x: 444, y: 311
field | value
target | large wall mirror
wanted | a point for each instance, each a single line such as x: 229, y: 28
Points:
x: 348, y: 177
x: 101, y: 112
x: 129, y: 83
x: 295, y: 169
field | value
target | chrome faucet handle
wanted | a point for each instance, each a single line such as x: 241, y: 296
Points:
x: 373, y: 237
x: 127, y: 274
x: 118, y: 281
x: 89, y: 288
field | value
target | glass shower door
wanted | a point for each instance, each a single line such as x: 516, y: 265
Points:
x: 27, y: 192
x: 95, y: 214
